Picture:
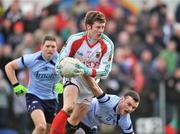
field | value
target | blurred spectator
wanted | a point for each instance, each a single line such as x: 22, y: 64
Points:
x: 131, y: 71
x: 155, y: 29
x: 6, y: 29
x: 30, y: 21
x: 61, y: 20
x: 5, y: 56
x: 172, y: 96
x: 146, y: 64
x: 171, y: 56
x: 160, y: 9
x: 113, y: 84
x: 122, y: 39
x: 1, y: 11
x: 46, y: 27
x: 168, y: 28
x: 149, y: 44
x: 176, y: 36
x: 143, y: 16
x: 131, y: 29
x: 177, y: 13
x: 78, y: 11
x: 79, y: 8
x: 138, y: 78
x: 14, y: 12
x: 105, y: 7
x: 159, y: 75
x: 111, y: 29
x: 2, y: 40
x: 117, y: 16
x: 16, y: 37
x: 53, y: 8
x: 70, y: 28
x: 4, y: 103
x: 26, y: 47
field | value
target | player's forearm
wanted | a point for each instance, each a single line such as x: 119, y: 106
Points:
x: 10, y: 72
x: 97, y: 91
x: 103, y: 70
x: 102, y: 73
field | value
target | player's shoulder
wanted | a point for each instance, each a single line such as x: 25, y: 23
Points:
x: 76, y: 36
x: 125, y: 121
x: 107, y: 40
x: 114, y: 97
x: 32, y: 55
x: 110, y: 99
x: 56, y: 54
x: 36, y: 54
x: 55, y: 57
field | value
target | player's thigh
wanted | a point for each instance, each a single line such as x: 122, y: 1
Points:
x: 78, y: 113
x: 70, y: 95
x: 48, y: 128
x: 38, y: 117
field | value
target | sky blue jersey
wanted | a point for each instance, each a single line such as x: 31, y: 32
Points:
x: 42, y: 75
x: 103, y: 111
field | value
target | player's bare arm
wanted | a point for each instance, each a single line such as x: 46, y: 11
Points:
x: 10, y: 71
x: 97, y: 91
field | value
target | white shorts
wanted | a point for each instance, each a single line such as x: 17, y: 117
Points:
x: 85, y: 93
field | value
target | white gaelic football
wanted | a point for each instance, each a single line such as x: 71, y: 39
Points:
x: 68, y: 66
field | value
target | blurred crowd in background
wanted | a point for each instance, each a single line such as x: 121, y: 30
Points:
x: 147, y: 52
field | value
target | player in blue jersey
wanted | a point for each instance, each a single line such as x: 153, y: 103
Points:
x: 43, y: 85
x: 109, y: 109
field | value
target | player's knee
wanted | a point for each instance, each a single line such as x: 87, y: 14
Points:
x: 68, y: 109
x: 70, y: 129
x: 41, y: 128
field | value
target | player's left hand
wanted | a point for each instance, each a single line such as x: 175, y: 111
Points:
x: 19, y: 89
x: 58, y: 68
x: 83, y: 69
x: 59, y: 88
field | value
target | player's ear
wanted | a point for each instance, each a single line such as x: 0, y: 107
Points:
x: 122, y: 99
x: 88, y: 26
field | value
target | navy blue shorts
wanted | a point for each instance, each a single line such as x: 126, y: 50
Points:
x: 49, y: 107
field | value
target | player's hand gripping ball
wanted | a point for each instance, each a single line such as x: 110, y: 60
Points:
x: 68, y: 67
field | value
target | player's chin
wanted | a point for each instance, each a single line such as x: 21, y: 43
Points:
x: 125, y: 112
x: 49, y: 56
x: 99, y: 36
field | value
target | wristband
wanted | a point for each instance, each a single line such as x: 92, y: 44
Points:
x: 16, y: 84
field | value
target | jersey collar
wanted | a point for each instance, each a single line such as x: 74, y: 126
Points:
x: 90, y: 45
x: 42, y: 58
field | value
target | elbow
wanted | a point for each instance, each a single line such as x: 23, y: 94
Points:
x: 7, y: 66
x: 105, y: 75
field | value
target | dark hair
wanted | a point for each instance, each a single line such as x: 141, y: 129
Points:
x: 92, y: 16
x: 132, y: 94
x: 49, y: 38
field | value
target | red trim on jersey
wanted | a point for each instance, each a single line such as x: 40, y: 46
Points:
x: 103, y: 47
x: 93, y: 72
x: 75, y: 46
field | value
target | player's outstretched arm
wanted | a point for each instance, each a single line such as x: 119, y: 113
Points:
x: 10, y: 72
x: 97, y: 91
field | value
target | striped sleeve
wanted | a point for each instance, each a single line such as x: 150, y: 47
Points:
x: 107, y: 58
